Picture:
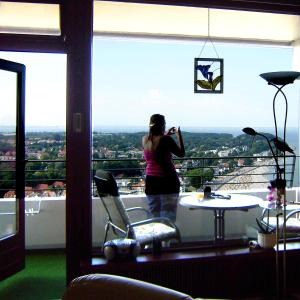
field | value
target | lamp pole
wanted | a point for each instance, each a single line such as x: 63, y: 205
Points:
x: 279, y: 80
x: 281, y: 194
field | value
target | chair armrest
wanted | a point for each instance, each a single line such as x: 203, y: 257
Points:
x: 296, y: 211
x: 265, y: 210
x: 139, y: 208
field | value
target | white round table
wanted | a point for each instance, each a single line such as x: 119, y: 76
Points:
x: 219, y: 206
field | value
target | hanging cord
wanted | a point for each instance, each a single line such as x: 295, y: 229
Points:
x: 208, y: 36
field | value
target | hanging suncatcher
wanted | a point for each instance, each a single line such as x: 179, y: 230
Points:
x: 208, y: 72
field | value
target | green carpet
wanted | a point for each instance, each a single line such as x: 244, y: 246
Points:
x: 43, y: 278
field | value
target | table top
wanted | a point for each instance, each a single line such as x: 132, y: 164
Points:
x: 272, y: 205
x: 236, y: 202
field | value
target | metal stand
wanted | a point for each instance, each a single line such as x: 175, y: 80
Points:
x: 280, y: 281
x: 279, y: 80
x: 219, y: 224
x: 281, y: 200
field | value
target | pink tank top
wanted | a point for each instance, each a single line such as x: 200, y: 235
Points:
x: 153, y: 168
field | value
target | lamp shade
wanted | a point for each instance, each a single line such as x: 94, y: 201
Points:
x: 280, y: 78
x: 250, y: 131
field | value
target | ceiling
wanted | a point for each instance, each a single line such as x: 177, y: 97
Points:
x: 149, y: 20
x: 158, y: 21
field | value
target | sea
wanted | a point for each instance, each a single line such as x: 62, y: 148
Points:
x: 292, y: 133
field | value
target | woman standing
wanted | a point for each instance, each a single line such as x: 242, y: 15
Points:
x: 162, y: 182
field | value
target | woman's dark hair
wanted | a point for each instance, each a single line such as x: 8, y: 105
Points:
x: 157, y: 124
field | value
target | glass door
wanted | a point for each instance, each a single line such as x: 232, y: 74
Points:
x: 12, y: 164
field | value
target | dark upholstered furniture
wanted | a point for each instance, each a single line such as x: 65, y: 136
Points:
x: 111, y: 287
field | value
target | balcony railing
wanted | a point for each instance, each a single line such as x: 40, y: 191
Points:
x: 47, y: 177
x: 38, y: 206
x: 226, y: 172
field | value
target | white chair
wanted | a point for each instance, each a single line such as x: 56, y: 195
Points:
x: 145, y: 231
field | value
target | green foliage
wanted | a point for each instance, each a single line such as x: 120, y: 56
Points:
x: 207, y: 85
x: 51, y: 146
x: 198, y: 177
x: 4, y: 147
x: 125, y: 167
x: 248, y: 161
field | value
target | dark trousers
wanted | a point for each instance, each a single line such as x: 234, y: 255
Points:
x: 162, y: 194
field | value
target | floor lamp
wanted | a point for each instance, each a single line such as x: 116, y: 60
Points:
x: 280, y: 184
x: 279, y: 80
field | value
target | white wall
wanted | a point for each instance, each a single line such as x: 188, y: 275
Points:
x: 46, y: 229
x: 195, y: 224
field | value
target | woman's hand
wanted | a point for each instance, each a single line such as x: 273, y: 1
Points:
x: 171, y: 131
x: 174, y: 130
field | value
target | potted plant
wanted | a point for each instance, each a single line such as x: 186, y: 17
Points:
x: 266, y: 235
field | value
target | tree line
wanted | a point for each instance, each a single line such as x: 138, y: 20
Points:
x: 201, y: 145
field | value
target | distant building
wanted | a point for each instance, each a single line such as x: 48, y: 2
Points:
x: 224, y: 153
x: 241, y: 162
x: 140, y: 186
x: 10, y: 194
x: 58, y: 184
x: 29, y: 192
x: 42, y: 186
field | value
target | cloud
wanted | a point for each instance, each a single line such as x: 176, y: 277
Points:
x: 154, y: 94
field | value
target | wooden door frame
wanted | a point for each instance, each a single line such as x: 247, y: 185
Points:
x: 12, y: 248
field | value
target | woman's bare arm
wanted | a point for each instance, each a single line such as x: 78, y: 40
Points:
x: 168, y: 144
x: 177, y: 149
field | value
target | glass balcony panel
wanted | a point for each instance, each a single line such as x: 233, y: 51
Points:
x: 135, y: 77
x: 29, y: 18
x: 45, y: 149
x: 8, y: 211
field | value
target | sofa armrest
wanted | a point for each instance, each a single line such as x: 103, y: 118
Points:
x: 112, y: 287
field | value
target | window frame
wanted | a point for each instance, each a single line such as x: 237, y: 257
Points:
x: 76, y: 40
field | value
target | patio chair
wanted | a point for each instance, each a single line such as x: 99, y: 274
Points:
x: 145, y: 231
x: 292, y: 221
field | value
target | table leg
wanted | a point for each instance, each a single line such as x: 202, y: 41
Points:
x: 219, y: 224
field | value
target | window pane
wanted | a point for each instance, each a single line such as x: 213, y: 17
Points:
x: 8, y: 99
x: 45, y: 148
x: 29, y: 18
x: 135, y: 78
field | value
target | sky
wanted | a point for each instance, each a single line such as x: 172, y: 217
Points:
x: 133, y: 79
x: 45, y: 98
x: 145, y: 77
